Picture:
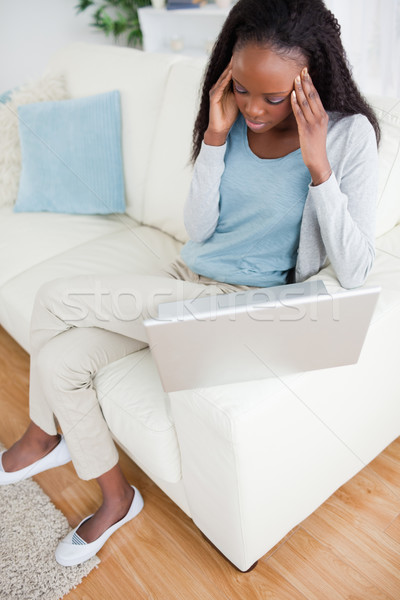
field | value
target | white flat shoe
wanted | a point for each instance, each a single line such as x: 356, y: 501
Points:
x: 73, y: 550
x: 57, y: 457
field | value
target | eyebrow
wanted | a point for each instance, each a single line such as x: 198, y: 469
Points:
x: 265, y: 93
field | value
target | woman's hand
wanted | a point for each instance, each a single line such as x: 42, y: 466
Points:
x: 223, y: 109
x: 312, y: 122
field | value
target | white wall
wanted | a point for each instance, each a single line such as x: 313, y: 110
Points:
x: 371, y: 38
x: 30, y: 32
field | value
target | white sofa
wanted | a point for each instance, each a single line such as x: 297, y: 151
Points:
x: 247, y: 462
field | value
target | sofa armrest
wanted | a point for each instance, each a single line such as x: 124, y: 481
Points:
x: 256, y: 461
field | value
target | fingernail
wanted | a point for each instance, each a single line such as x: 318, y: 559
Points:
x: 294, y: 95
x: 305, y: 72
x: 298, y: 79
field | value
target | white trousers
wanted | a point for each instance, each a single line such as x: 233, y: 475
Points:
x: 81, y: 324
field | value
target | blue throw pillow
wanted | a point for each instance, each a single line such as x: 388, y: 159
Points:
x: 72, y: 156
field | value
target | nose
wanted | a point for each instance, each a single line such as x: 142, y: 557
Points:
x: 255, y: 107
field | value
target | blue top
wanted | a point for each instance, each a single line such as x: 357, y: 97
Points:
x: 260, y: 210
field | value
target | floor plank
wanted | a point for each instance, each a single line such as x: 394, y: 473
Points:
x: 362, y: 546
x: 368, y: 497
x: 387, y: 465
x: 393, y: 529
x: 316, y: 569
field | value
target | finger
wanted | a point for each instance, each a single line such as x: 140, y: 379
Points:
x: 302, y: 100
x: 222, y: 86
x: 311, y: 93
x: 217, y: 94
x: 297, y: 111
x: 223, y: 81
x: 227, y: 72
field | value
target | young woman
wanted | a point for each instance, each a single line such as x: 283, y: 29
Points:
x: 285, y: 178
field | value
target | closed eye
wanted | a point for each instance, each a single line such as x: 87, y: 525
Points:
x: 239, y: 89
x: 278, y: 101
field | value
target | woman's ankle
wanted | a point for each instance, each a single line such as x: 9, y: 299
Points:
x: 33, y: 445
x: 34, y: 435
x: 112, y: 510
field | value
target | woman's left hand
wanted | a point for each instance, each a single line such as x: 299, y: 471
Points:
x: 312, y: 122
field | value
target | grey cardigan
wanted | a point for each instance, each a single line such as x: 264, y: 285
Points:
x: 338, y: 221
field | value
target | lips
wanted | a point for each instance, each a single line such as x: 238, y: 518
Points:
x: 254, y: 125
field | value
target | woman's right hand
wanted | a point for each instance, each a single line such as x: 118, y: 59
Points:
x: 223, y: 109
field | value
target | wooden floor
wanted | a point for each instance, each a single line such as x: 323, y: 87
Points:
x: 348, y: 549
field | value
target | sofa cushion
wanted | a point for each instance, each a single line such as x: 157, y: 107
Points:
x: 129, y: 249
x: 141, y: 79
x: 137, y: 412
x: 385, y: 273
x: 72, y: 156
x: 50, y: 87
x: 5, y: 96
x: 390, y: 242
x: 170, y: 158
x: 388, y: 212
x: 27, y: 239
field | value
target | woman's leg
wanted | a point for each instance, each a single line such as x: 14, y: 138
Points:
x: 66, y: 366
x: 78, y: 326
x: 114, y: 303
x: 111, y: 307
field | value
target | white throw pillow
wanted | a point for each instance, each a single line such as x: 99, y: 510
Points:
x: 50, y: 87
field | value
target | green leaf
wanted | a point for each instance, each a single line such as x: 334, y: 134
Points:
x: 107, y: 23
x: 98, y: 17
x: 120, y: 25
x: 83, y: 5
x: 123, y: 17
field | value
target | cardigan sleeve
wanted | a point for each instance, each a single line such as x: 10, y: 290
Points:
x: 201, y: 210
x: 346, y: 211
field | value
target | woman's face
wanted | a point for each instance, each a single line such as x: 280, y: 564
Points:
x: 262, y: 84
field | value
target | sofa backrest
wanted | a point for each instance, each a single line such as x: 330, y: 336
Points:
x: 159, y: 96
x: 170, y: 171
x: 388, y: 212
x: 141, y: 79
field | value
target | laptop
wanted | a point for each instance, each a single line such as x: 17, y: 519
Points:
x: 258, y: 333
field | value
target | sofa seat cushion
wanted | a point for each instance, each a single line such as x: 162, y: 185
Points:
x: 28, y: 239
x: 137, y: 412
x: 128, y: 249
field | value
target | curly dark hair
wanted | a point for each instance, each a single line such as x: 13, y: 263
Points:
x: 305, y: 28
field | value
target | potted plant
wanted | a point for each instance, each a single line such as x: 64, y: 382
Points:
x: 118, y: 18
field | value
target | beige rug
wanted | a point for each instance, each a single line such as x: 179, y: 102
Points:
x: 30, y: 529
